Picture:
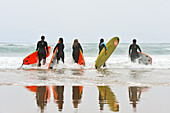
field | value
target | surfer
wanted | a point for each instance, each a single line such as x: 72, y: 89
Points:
x: 133, y: 51
x: 101, y: 46
x: 41, y: 45
x: 76, y: 46
x: 60, y: 51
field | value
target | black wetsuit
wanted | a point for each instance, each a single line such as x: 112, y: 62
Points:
x: 101, y: 46
x: 133, y: 52
x: 75, y: 53
x: 60, y: 51
x: 41, y: 50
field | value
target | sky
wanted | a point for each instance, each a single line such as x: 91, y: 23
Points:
x: 25, y: 21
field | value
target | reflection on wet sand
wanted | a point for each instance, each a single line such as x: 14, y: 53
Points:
x: 135, y: 95
x: 58, y: 92
x: 42, y: 95
x: 77, y: 95
x: 106, y: 96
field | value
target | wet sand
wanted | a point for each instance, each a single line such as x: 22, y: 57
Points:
x: 84, y: 99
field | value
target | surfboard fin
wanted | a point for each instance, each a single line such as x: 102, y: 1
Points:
x: 21, y: 66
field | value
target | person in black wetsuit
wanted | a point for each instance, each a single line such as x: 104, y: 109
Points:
x: 133, y: 51
x: 76, y: 46
x: 60, y: 51
x: 41, y: 45
x: 101, y: 46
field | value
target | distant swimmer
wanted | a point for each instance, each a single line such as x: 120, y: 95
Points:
x: 101, y: 46
x: 133, y: 51
x: 76, y: 46
x: 60, y: 51
x: 41, y: 45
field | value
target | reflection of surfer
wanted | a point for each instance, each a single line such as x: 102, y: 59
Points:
x: 60, y: 52
x: 133, y: 51
x: 58, y: 96
x: 41, y: 45
x: 77, y: 94
x: 42, y: 95
x: 76, y: 46
x: 101, y: 46
x: 135, y: 94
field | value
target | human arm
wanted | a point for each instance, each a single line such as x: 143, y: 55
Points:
x: 139, y: 49
x: 80, y: 47
x: 55, y: 48
x: 37, y: 46
x: 130, y: 47
x: 105, y: 48
x: 47, y: 47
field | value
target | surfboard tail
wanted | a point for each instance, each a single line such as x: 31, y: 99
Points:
x: 81, y: 60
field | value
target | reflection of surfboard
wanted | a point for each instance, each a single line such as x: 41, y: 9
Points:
x: 111, y: 46
x: 33, y: 58
x: 144, y: 58
x: 108, y: 97
x: 81, y: 60
x: 53, y: 60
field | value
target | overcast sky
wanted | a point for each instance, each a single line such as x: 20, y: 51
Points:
x: 88, y: 20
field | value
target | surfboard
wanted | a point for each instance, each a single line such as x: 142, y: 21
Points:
x: 33, y: 57
x: 144, y: 58
x: 102, y: 57
x: 53, y: 59
x: 81, y: 60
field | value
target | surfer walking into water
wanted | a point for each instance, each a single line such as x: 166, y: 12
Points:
x: 101, y: 46
x: 60, y: 51
x: 76, y: 46
x: 41, y: 45
x: 133, y: 51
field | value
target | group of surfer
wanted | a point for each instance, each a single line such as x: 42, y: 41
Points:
x: 42, y: 46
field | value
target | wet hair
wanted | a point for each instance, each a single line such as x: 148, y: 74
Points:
x: 61, y: 40
x: 42, y: 37
x: 134, y: 41
x: 101, y: 40
x: 75, y: 42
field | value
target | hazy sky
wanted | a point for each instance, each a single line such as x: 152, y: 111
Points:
x: 88, y: 20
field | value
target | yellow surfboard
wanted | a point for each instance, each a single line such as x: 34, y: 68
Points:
x: 111, y: 46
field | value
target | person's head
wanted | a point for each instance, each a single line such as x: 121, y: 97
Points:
x: 101, y: 40
x: 43, y: 38
x: 61, y: 40
x: 75, y: 42
x: 134, y: 41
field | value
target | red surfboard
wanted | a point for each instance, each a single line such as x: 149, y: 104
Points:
x: 33, y: 58
x: 52, y: 61
x: 81, y: 60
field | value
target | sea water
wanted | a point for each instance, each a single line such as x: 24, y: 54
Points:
x: 119, y: 69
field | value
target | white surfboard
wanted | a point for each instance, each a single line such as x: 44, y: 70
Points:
x: 144, y: 58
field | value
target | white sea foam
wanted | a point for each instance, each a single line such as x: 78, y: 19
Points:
x: 119, y: 69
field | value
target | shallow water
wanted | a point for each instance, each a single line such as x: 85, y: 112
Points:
x: 118, y: 71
